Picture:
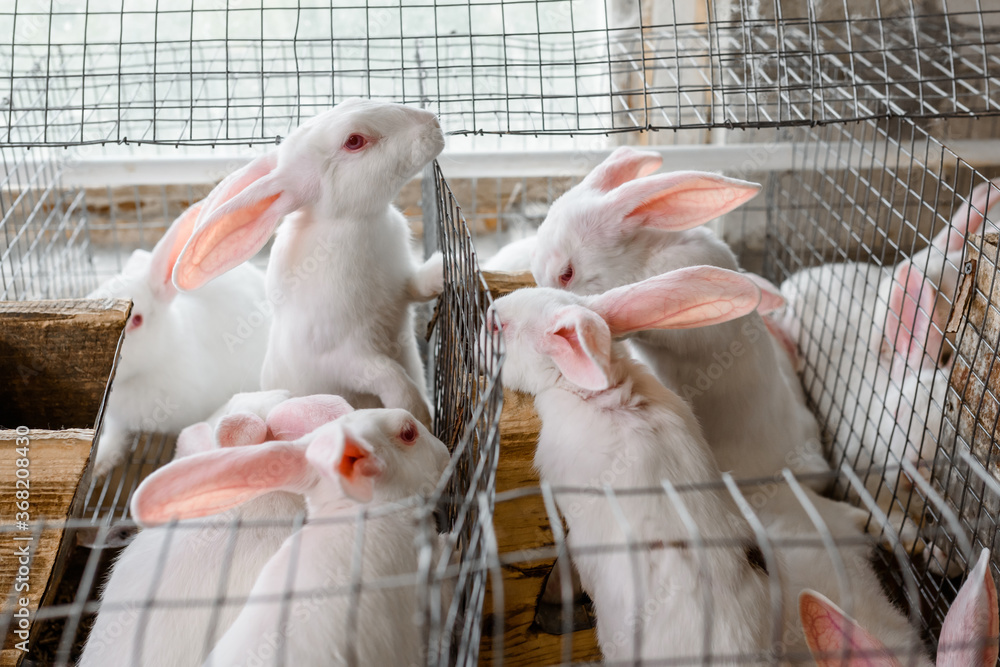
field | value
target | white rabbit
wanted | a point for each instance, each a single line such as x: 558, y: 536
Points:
x: 968, y: 636
x: 876, y: 359
x: 378, y: 457
x: 607, y: 421
x: 340, y: 276
x: 244, y: 411
x: 620, y: 225
x: 514, y: 257
x: 184, y: 563
x: 183, y: 354
x: 804, y: 562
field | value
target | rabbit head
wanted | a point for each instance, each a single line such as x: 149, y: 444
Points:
x: 915, y: 303
x: 589, y: 241
x: 146, y: 280
x: 347, y: 162
x: 365, y: 456
x: 551, y: 334
x: 968, y: 636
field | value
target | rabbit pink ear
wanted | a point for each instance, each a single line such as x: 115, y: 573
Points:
x: 579, y: 343
x: 771, y: 298
x: 194, y: 439
x: 623, y: 165
x: 679, y: 200
x: 239, y: 217
x: 970, y: 632
x: 696, y: 296
x: 168, y: 249
x: 909, y: 324
x: 296, y: 417
x: 969, y: 217
x: 835, y: 639
x: 240, y: 429
x: 212, y: 482
x: 340, y: 456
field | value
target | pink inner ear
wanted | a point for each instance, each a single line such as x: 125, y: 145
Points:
x: 194, y: 439
x: 771, y: 298
x: 969, y: 217
x: 970, y: 632
x: 830, y: 632
x: 691, y: 297
x: 218, y: 480
x: 680, y: 200
x: 909, y: 324
x: 580, y: 345
x: 623, y: 165
x: 358, y: 468
x: 168, y: 249
x: 296, y: 417
x: 239, y: 217
x: 240, y: 429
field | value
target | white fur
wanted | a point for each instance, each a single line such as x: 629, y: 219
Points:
x: 341, y: 276
x: 876, y: 419
x: 634, y: 434
x: 809, y: 564
x: 739, y: 383
x: 184, y: 563
x: 514, y: 257
x: 387, y: 632
x: 190, y: 354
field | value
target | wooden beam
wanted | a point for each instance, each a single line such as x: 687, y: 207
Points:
x: 56, y: 359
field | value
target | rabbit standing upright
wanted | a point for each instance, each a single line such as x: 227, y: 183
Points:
x: 607, y: 421
x: 968, y: 637
x: 381, y: 458
x: 183, y: 354
x: 340, y: 276
x: 621, y: 225
x: 184, y: 564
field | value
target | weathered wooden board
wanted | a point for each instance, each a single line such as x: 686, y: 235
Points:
x: 974, y: 407
x: 56, y: 359
x: 56, y: 463
x: 523, y: 524
x: 976, y: 377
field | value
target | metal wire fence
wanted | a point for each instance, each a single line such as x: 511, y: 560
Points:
x: 61, y: 242
x: 198, y: 73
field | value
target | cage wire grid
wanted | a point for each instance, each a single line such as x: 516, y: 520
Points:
x: 872, y: 191
x: 192, y: 73
x: 466, y: 392
x: 874, y: 195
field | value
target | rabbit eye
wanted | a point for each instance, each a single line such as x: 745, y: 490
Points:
x: 134, y: 322
x: 492, y: 322
x: 356, y: 142
x: 567, y: 275
x: 409, y: 433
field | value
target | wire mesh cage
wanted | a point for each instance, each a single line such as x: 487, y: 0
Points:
x: 836, y: 100
x: 62, y: 242
x: 861, y: 208
x: 200, y: 73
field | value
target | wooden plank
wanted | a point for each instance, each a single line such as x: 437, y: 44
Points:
x: 974, y: 407
x: 56, y: 359
x: 523, y: 524
x: 56, y: 463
